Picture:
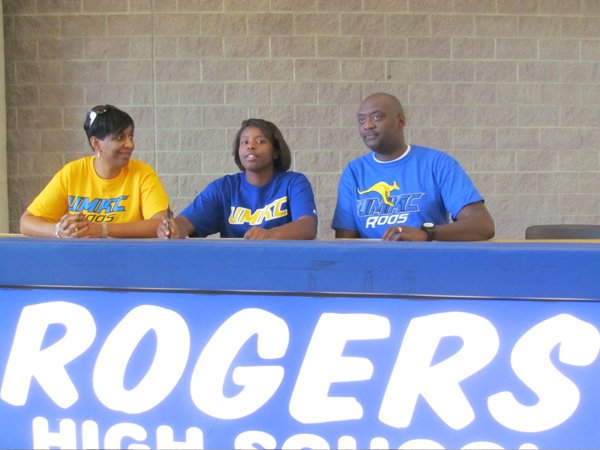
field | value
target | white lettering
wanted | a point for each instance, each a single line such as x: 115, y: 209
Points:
x: 90, y: 436
x: 482, y: 445
x: 373, y: 221
x: 115, y: 435
x: 324, y: 365
x: 579, y: 344
x: 28, y: 360
x: 305, y: 440
x: 259, y: 382
x: 66, y: 437
x: 379, y: 443
x: 254, y: 438
x: 172, y: 350
x: 413, y: 375
x: 194, y: 439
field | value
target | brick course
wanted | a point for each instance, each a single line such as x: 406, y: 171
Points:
x: 508, y: 87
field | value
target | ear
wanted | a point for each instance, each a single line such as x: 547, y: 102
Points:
x: 401, y: 120
x: 95, y: 143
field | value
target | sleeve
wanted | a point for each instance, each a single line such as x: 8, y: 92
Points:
x: 343, y: 218
x: 206, y: 211
x: 456, y: 187
x: 301, y: 198
x: 52, y: 203
x: 154, y: 197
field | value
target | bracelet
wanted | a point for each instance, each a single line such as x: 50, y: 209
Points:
x: 104, y: 229
x: 57, y: 230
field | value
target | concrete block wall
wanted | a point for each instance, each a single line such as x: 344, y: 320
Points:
x: 511, y: 88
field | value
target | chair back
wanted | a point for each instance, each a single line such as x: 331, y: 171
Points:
x: 563, y: 231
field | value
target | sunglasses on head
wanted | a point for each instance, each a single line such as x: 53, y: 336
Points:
x: 98, y: 111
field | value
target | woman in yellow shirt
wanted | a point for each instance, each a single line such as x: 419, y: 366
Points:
x: 104, y: 195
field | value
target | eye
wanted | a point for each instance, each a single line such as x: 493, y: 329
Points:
x: 377, y: 116
x: 361, y: 120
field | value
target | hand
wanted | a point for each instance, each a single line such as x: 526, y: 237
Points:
x: 73, y: 226
x: 258, y: 233
x: 168, y: 229
x: 404, y: 233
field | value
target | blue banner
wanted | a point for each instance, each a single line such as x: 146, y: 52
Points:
x: 149, y: 369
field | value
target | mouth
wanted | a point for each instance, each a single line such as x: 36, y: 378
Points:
x: 250, y: 157
x: 125, y: 155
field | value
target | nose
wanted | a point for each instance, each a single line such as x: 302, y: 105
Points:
x: 368, y: 124
x: 129, y: 143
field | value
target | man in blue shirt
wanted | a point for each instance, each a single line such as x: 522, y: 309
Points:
x: 402, y: 192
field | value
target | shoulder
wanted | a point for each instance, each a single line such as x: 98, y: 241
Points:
x: 435, y: 158
x: 77, y: 166
x: 135, y: 165
x: 290, y: 176
x: 291, y: 180
x: 432, y: 153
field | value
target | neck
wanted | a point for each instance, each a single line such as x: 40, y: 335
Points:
x: 105, y: 170
x: 259, y: 178
x: 389, y: 156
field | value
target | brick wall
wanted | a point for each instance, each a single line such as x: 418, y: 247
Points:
x: 511, y: 88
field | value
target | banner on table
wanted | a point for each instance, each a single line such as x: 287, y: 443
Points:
x: 142, y: 369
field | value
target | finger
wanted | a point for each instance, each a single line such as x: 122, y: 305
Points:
x: 389, y: 234
x: 162, y: 231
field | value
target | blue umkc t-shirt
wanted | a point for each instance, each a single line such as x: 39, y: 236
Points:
x: 424, y: 185
x: 231, y: 206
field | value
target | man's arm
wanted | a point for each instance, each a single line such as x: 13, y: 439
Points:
x: 473, y: 223
x: 346, y: 234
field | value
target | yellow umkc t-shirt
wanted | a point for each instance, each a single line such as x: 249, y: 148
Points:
x: 135, y: 194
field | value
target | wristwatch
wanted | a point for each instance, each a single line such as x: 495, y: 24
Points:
x: 429, y: 228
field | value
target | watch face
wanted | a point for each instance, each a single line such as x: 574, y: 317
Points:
x: 429, y: 228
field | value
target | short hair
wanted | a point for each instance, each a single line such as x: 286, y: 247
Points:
x: 105, y: 120
x: 392, y: 99
x: 271, y: 132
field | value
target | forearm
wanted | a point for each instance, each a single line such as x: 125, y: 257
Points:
x: 138, y: 229
x: 31, y: 225
x: 303, y: 228
x: 346, y: 234
x: 469, y: 229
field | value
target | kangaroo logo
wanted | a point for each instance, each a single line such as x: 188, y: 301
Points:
x: 383, y: 189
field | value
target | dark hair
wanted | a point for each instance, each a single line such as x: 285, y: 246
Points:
x: 105, y: 120
x: 271, y: 132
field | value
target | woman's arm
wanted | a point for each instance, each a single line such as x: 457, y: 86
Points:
x: 304, y: 227
x: 138, y: 229
x: 180, y: 228
x: 77, y: 226
x: 36, y: 226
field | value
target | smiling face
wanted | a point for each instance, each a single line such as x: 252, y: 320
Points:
x: 115, y: 150
x: 256, y: 151
x: 380, y: 124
